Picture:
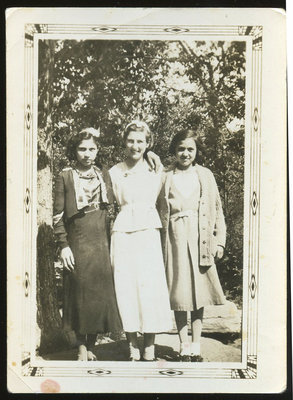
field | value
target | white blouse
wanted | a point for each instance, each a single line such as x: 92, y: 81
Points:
x: 136, y: 191
x: 186, y: 181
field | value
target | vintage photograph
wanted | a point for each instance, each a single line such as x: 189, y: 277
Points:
x: 141, y: 201
x: 106, y: 110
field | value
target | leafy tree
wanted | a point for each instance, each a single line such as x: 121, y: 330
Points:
x: 171, y: 85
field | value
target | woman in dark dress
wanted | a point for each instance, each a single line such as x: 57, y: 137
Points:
x: 82, y: 195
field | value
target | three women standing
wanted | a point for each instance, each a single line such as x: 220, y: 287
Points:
x: 193, y: 235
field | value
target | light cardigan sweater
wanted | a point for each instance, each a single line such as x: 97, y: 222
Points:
x: 212, y: 228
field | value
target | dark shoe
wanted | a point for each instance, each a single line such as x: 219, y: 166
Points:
x: 185, y: 358
x: 196, y: 358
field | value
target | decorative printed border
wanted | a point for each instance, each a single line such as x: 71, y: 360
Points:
x: 32, y: 31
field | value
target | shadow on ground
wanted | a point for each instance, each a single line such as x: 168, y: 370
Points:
x: 167, y: 347
x: 114, y: 351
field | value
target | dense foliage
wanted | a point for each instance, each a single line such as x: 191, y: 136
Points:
x: 171, y: 85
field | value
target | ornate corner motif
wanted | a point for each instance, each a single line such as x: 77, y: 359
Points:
x: 257, y: 37
x: 30, y: 30
x: 25, y: 357
x: 256, y: 32
x: 27, y: 369
x: 25, y: 364
x: 247, y: 373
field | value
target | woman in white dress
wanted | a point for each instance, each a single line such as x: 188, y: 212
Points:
x: 139, y: 275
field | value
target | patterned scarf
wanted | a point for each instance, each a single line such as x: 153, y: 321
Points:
x: 86, y: 187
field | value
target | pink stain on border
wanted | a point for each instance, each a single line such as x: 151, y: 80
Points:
x: 161, y: 363
x: 50, y: 386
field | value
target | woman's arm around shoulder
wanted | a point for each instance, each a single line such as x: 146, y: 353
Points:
x: 114, y: 171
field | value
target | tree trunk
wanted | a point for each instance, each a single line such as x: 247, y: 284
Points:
x: 48, y: 316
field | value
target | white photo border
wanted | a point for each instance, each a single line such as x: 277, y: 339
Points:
x: 247, y: 369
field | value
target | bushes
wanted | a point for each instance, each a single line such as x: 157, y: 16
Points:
x: 171, y: 85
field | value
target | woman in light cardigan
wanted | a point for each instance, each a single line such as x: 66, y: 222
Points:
x: 193, y: 235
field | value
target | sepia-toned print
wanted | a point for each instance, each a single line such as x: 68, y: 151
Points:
x: 174, y: 85
x: 141, y: 212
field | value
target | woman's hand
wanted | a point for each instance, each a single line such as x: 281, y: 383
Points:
x: 219, y: 252
x: 67, y: 259
x: 154, y: 161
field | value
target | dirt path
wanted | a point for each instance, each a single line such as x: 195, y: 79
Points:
x: 167, y: 346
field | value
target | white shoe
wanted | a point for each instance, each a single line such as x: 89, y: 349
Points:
x: 82, y: 353
x: 195, y: 348
x: 91, y: 356
x: 149, y: 353
x: 185, y: 349
x: 134, y: 353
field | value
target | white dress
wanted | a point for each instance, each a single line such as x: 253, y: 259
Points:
x: 136, y: 253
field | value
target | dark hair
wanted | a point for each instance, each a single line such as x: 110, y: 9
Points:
x: 76, y: 139
x: 139, y: 126
x: 187, y: 134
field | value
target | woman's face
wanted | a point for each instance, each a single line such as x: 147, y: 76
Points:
x: 86, y: 153
x: 136, y: 145
x: 185, y: 153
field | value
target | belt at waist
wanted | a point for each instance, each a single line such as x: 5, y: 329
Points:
x: 137, y: 206
x: 183, y: 214
x: 92, y: 207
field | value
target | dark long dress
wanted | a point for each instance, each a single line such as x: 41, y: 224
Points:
x: 89, y: 298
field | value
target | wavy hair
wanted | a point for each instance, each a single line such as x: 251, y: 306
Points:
x: 188, y: 134
x: 139, y: 126
x: 76, y: 139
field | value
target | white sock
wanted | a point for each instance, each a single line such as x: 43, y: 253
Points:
x: 195, y: 348
x: 149, y: 352
x: 134, y: 352
x: 185, y: 349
